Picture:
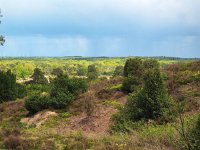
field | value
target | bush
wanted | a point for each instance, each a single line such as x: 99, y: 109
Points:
x: 61, y: 100
x: 119, y: 71
x: 8, y: 91
x: 92, y: 73
x: 21, y: 91
x: 133, y: 67
x: 151, y: 64
x: 33, y: 89
x: 134, y: 71
x: 152, y: 102
x: 38, y: 77
x: 37, y: 103
x: 64, y: 90
x: 131, y: 84
x: 74, y: 86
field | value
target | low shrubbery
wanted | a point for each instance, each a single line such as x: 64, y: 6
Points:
x: 63, y: 91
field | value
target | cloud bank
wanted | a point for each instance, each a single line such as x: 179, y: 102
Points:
x: 100, y: 27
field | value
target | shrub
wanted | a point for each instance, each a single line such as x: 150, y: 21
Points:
x: 133, y: 66
x: 92, y: 73
x: 119, y: 71
x: 152, y: 102
x: 131, y: 84
x: 38, y: 77
x: 37, y: 103
x: 8, y: 89
x: 64, y: 90
x: 21, y: 90
x: 74, y: 86
x: 33, y: 89
x: 61, y: 100
x: 134, y: 71
x: 151, y: 64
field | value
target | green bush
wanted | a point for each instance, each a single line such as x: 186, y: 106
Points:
x: 37, y: 103
x: 33, y: 89
x: 152, y: 102
x: 61, y: 100
x: 8, y: 90
x: 67, y: 85
x: 21, y: 90
x: 134, y: 71
x: 38, y: 77
x: 92, y: 73
x: 131, y: 84
x: 63, y: 92
x: 133, y: 67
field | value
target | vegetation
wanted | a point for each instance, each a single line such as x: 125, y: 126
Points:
x: 38, y: 77
x: 146, y: 104
x: 152, y: 102
x: 63, y: 91
x: 7, y: 86
x: 92, y: 72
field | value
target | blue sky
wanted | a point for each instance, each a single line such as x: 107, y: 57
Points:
x: 101, y: 28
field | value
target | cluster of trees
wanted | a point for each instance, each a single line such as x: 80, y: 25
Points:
x: 63, y: 92
x: 148, y: 99
x: 24, y: 67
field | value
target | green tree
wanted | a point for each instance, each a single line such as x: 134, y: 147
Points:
x: 92, y: 72
x: 7, y: 86
x: 38, y: 77
x: 133, y: 67
x: 133, y: 75
x: 152, y: 102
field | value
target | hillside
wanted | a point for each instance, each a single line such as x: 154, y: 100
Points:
x: 74, y: 129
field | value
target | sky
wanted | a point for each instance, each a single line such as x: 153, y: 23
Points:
x: 100, y: 28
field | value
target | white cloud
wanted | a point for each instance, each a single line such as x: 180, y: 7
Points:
x: 148, y: 11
